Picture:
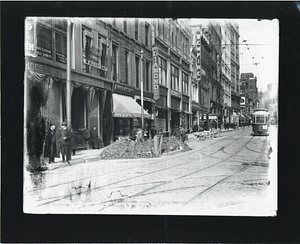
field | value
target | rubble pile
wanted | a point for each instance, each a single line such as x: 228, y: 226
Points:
x: 128, y: 149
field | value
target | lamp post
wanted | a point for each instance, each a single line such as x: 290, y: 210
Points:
x: 142, y: 89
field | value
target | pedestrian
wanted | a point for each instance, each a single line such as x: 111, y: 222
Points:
x: 133, y: 134
x: 182, y: 133
x: 153, y: 131
x: 65, y: 143
x: 74, y: 142
x: 195, y: 128
x: 94, y: 138
x: 51, y: 144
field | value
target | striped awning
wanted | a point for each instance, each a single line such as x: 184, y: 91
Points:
x: 126, y: 107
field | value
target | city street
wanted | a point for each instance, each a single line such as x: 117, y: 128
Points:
x: 232, y: 174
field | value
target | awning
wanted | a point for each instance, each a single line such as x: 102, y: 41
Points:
x: 235, y: 114
x: 242, y: 116
x: 126, y: 107
x: 147, y: 99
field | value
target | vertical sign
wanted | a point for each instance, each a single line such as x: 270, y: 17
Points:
x: 155, y: 74
x: 198, y: 46
x: 30, y: 40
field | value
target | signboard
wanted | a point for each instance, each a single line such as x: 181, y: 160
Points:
x: 44, y: 41
x: 61, y: 48
x: 175, y: 93
x: 120, y: 87
x: 155, y: 74
x: 198, y: 49
x: 242, y: 102
x: 30, y: 40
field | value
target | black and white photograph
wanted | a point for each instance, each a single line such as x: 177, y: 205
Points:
x: 156, y: 116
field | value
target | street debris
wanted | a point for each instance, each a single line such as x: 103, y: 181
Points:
x: 129, y: 149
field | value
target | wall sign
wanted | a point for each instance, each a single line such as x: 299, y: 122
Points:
x: 30, y: 40
x: 155, y: 74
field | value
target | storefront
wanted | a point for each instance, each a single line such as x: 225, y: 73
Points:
x: 161, y: 110
x: 126, y: 111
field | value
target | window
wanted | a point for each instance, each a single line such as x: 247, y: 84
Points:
x: 195, y: 93
x: 125, y: 26
x: 184, y: 83
x: 162, y: 71
x: 114, y: 62
x: 174, y: 78
x: 147, y: 35
x: 114, y: 22
x: 86, y: 49
x: 148, y: 76
x: 61, y: 47
x: 136, y: 30
x: 137, y: 72
x: 44, y: 42
x: 126, y: 66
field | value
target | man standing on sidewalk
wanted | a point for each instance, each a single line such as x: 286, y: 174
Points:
x: 64, y: 138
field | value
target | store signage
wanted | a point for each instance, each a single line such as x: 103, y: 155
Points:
x: 198, y: 50
x: 120, y: 87
x: 44, y: 41
x: 155, y: 74
x: 45, y: 69
x: 242, y: 102
x: 93, y: 58
x: 30, y: 40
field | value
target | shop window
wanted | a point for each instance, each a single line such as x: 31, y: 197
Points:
x: 114, y: 62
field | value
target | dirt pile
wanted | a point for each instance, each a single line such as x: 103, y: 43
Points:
x: 127, y: 149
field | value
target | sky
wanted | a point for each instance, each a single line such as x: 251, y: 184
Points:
x: 259, y: 43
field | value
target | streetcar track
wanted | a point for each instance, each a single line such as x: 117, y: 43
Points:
x: 146, y: 159
x: 224, y: 179
x: 58, y: 198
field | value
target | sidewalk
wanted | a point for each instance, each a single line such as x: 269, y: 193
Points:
x: 82, y: 156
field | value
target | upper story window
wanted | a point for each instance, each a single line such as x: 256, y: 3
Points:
x: 44, y: 41
x: 102, y: 61
x: 162, y: 71
x: 137, y: 71
x: 86, y: 50
x: 125, y: 26
x: 185, y: 83
x: 114, y: 62
x: 136, y: 30
x: 148, y: 76
x: 147, y: 28
x: 174, y: 78
x: 126, y: 66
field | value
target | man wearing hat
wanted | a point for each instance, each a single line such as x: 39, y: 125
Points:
x: 64, y: 138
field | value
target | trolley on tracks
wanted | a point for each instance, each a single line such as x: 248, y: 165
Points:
x: 260, y: 121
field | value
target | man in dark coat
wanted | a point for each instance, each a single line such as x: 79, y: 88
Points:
x: 74, y: 142
x: 51, y: 144
x: 65, y: 142
x: 94, y: 138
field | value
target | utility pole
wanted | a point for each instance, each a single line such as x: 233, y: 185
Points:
x: 142, y: 89
x: 68, y: 83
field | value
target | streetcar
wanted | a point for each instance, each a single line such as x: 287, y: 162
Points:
x: 260, y: 121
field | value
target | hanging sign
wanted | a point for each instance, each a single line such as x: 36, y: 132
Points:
x: 198, y: 48
x: 155, y: 74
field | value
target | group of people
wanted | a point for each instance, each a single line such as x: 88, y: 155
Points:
x: 57, y: 142
x: 64, y: 142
